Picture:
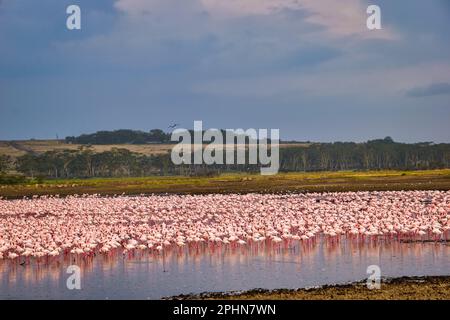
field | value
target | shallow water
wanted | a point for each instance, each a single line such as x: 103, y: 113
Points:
x: 195, y: 270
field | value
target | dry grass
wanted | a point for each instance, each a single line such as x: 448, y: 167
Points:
x: 7, y: 149
x: 19, y: 148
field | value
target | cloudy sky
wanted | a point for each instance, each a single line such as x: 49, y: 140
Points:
x: 308, y: 67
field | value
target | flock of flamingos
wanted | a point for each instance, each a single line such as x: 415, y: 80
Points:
x: 90, y: 225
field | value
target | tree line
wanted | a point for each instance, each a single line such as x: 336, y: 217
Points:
x: 126, y: 136
x: 378, y: 154
x: 123, y: 136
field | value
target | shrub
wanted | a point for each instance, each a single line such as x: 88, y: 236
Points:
x: 12, y: 179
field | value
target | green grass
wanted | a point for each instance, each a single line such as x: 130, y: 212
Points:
x: 240, y: 183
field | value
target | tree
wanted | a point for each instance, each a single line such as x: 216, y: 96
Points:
x: 5, y: 163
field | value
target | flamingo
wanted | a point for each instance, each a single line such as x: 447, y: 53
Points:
x: 88, y: 224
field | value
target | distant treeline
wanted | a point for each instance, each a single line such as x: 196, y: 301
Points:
x: 377, y: 154
x: 121, y: 137
x: 373, y: 155
x: 125, y: 136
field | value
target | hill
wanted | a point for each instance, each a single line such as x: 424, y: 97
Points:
x: 16, y: 149
x: 19, y: 148
x: 122, y: 136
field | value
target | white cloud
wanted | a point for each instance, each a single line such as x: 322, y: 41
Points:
x: 218, y: 8
x: 169, y: 7
x: 247, y: 7
x: 348, y: 17
x: 343, y: 18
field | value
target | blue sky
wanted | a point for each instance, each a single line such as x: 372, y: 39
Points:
x: 308, y: 67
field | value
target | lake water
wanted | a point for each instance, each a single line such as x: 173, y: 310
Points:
x: 211, y: 269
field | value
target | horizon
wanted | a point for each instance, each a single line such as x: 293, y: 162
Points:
x: 63, y: 139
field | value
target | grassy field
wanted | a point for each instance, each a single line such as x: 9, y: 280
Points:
x: 18, y: 148
x: 241, y: 183
x: 406, y: 288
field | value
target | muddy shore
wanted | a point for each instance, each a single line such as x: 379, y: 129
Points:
x: 404, y: 288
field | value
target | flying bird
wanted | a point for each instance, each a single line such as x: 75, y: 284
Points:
x: 173, y: 126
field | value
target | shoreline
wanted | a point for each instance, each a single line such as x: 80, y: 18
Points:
x: 399, y: 288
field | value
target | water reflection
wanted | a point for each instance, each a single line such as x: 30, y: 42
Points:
x: 205, y: 267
